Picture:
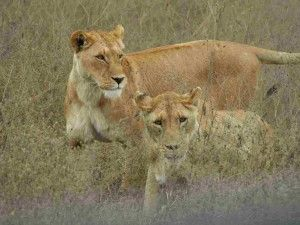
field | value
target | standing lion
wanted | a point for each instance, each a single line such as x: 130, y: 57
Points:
x: 103, y: 80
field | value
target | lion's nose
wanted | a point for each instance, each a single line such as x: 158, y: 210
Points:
x: 118, y: 79
x: 172, y: 147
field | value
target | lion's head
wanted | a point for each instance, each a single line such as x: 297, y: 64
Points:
x: 98, y: 55
x: 170, y: 120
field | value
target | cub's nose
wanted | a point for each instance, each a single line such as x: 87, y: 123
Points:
x: 118, y: 79
x: 172, y: 147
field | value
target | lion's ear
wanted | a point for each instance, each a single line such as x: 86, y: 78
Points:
x: 119, y: 31
x: 193, y: 96
x: 81, y: 39
x: 143, y: 101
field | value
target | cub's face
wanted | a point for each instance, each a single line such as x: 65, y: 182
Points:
x: 171, y: 121
x: 98, y: 54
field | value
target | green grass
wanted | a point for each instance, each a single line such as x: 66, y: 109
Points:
x: 36, y: 58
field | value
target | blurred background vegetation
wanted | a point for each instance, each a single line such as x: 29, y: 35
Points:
x: 36, y: 166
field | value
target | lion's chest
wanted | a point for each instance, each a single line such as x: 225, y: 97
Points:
x: 98, y: 120
x: 166, y: 170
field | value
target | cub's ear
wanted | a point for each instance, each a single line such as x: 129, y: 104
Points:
x: 143, y: 101
x: 80, y: 40
x: 119, y: 31
x: 193, y: 96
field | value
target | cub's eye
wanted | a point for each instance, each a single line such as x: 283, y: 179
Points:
x: 158, y: 122
x: 101, y: 57
x: 120, y: 56
x: 182, y: 119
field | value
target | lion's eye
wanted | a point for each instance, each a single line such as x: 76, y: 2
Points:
x: 182, y: 119
x: 101, y: 57
x: 120, y: 56
x: 158, y: 122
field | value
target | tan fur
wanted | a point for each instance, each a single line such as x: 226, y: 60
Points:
x: 226, y: 71
x: 167, y: 135
x: 170, y: 122
x: 96, y: 63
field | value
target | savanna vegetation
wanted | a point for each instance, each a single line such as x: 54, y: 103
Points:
x: 43, y: 181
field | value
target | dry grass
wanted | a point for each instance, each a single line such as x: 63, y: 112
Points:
x: 272, y: 200
x: 35, y: 60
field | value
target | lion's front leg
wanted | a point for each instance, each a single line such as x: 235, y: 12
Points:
x: 78, y: 126
x: 151, y: 192
x: 156, y: 179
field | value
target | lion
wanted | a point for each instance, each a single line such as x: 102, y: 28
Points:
x: 103, y: 80
x: 96, y: 74
x: 172, y: 121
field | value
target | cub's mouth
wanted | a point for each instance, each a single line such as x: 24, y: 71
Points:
x: 174, y: 157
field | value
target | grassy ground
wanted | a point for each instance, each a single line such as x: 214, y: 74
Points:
x: 36, y: 166
x: 272, y: 200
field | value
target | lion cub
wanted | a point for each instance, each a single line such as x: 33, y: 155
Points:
x: 171, y: 122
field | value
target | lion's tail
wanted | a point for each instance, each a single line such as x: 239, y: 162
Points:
x: 274, y: 57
